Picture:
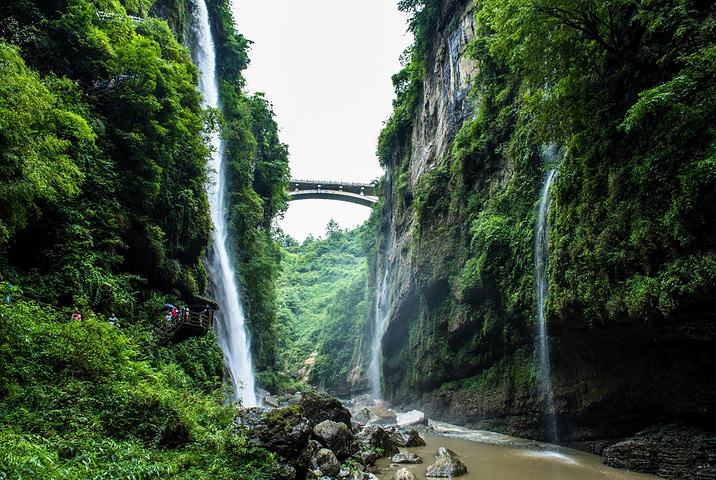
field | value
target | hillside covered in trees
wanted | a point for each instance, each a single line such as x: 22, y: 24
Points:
x: 103, y: 168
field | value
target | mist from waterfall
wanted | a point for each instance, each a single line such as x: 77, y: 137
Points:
x: 541, y: 255
x: 380, y: 320
x: 229, y: 320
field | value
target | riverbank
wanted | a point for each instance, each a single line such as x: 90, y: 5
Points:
x: 492, y: 456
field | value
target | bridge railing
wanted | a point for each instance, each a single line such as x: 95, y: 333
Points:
x: 333, y: 182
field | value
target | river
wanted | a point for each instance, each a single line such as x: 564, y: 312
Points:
x: 491, y: 456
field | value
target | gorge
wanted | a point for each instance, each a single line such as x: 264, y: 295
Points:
x: 535, y: 286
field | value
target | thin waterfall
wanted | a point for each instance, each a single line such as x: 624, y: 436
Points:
x: 381, y: 312
x: 380, y: 320
x: 229, y: 321
x: 541, y: 253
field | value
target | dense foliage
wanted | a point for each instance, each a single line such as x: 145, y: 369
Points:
x: 613, y: 94
x: 85, y: 400
x: 325, y: 306
x: 102, y: 178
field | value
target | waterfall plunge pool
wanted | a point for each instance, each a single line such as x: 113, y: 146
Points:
x: 492, y: 456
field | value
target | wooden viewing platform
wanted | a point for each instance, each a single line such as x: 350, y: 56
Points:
x: 192, y: 321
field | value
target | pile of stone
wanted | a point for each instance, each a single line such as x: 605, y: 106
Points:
x: 316, y: 437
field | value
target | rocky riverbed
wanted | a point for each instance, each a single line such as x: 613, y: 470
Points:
x: 316, y: 436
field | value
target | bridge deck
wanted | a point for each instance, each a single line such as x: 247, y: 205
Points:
x: 362, y: 189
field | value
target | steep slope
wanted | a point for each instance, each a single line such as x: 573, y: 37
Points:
x: 614, y: 97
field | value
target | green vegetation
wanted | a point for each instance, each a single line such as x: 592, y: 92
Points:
x: 102, y: 175
x: 84, y: 400
x: 622, y: 89
x: 256, y: 179
x: 325, y: 304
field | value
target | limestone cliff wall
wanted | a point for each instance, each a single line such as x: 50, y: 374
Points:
x: 465, y: 353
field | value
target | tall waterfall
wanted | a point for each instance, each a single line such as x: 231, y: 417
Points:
x: 230, y: 320
x: 380, y: 320
x: 541, y: 285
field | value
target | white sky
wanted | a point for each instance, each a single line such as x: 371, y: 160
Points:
x: 326, y: 67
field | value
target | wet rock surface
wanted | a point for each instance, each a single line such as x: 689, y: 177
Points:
x: 406, y: 438
x: 327, y: 462
x: 337, y: 437
x: 284, y: 431
x: 321, y: 406
x: 671, y: 451
x: 375, y: 437
x: 447, y: 465
x: 404, y: 474
x: 406, y: 457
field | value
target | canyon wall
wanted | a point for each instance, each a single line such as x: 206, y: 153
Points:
x: 457, y: 233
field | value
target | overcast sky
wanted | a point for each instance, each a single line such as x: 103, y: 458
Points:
x: 326, y: 67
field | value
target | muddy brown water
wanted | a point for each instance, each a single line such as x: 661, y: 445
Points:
x: 491, y: 456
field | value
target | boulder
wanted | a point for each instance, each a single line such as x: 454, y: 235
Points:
x: 382, y: 415
x: 284, y: 472
x: 327, y: 462
x: 411, y: 419
x: 364, y: 417
x: 319, y: 406
x: 404, y: 474
x: 374, y: 437
x: 669, y: 451
x: 284, y: 431
x: 337, y: 437
x: 406, y: 438
x: 446, y: 465
x: 406, y: 457
x: 367, y: 411
x: 366, y: 457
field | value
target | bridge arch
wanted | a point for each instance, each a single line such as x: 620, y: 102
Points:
x: 351, y: 192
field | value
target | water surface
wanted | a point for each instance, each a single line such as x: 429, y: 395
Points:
x: 491, y: 456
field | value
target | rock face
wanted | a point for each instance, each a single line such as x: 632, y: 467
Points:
x: 375, y: 437
x: 672, y: 451
x: 612, y: 378
x: 337, y: 437
x: 446, y: 465
x: 406, y: 457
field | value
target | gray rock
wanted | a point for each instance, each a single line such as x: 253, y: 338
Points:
x: 669, y: 451
x: 406, y: 457
x: 366, y: 457
x: 318, y: 407
x: 284, y: 431
x: 406, y: 438
x: 327, y: 462
x: 404, y: 474
x: 412, y: 418
x: 374, y: 437
x: 337, y: 437
x: 446, y: 465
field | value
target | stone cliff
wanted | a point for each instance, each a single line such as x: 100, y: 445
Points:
x: 457, y: 233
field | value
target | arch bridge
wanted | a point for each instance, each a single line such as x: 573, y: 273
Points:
x: 359, y: 193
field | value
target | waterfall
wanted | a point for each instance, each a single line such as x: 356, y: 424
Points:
x: 380, y: 320
x: 541, y: 285
x: 229, y: 320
